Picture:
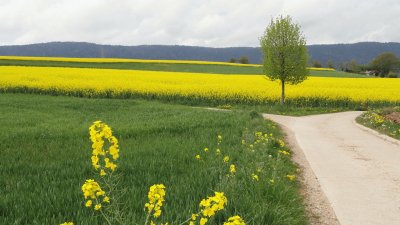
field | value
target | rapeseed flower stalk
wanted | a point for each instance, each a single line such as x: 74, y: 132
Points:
x: 92, y: 192
x: 213, y: 204
x: 156, y: 198
x: 235, y: 220
x: 208, y: 208
x: 105, y: 148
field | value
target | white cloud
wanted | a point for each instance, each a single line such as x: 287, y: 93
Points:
x: 216, y: 23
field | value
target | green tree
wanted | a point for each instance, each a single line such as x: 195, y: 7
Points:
x: 330, y: 64
x: 352, y: 67
x: 385, y: 63
x: 316, y: 64
x: 244, y: 60
x: 284, y: 53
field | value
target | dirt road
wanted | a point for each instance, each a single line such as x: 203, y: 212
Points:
x: 357, y: 169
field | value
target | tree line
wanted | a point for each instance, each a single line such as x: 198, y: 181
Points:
x: 383, y: 65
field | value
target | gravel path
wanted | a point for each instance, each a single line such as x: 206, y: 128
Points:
x: 358, y: 170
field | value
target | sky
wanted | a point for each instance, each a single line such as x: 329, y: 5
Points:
x: 210, y: 23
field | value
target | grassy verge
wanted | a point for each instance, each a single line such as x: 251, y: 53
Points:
x: 193, y: 68
x: 46, y: 158
x: 385, y: 121
x: 291, y: 110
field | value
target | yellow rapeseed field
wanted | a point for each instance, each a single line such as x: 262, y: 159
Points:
x: 192, y: 86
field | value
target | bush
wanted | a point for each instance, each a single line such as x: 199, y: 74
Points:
x: 244, y: 60
x: 392, y: 75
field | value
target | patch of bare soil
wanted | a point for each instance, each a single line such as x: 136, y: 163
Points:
x: 394, y: 117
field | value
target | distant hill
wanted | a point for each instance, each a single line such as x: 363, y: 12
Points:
x: 363, y: 52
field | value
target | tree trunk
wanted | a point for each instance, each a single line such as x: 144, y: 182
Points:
x: 283, y: 92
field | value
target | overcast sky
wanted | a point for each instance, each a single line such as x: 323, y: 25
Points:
x: 216, y: 23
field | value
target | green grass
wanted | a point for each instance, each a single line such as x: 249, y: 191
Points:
x: 377, y: 119
x: 290, y: 110
x: 46, y: 152
x: 193, y: 68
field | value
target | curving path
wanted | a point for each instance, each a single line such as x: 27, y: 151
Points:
x: 357, y: 169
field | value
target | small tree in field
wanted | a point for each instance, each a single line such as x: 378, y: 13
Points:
x: 316, y: 64
x: 330, y: 64
x: 285, y: 53
x: 244, y: 60
x: 385, y: 63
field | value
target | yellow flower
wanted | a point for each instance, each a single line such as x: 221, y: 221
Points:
x: 281, y: 143
x: 259, y: 170
x: 252, y: 89
x: 89, y: 203
x: 97, y: 207
x: 219, y: 137
x: 284, y: 152
x: 90, y: 188
x: 100, y: 133
x: 226, y: 159
x: 106, y: 199
x: 67, y: 223
x: 243, y: 142
x: 218, y: 151
x: 198, y: 157
x: 235, y: 220
x: 254, y: 177
x: 272, y: 181
x: 152, y: 223
x: 291, y: 177
x: 95, y: 161
x: 205, y: 149
x: 232, y: 169
x: 203, y: 221
x: 213, y: 204
x: 100, y: 193
x: 194, y: 217
x: 191, y: 223
x: 156, y: 198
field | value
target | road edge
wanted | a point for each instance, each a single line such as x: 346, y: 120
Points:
x: 376, y: 133
x: 317, y: 205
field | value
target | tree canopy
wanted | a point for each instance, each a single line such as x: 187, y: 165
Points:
x: 385, y: 63
x: 284, y: 51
